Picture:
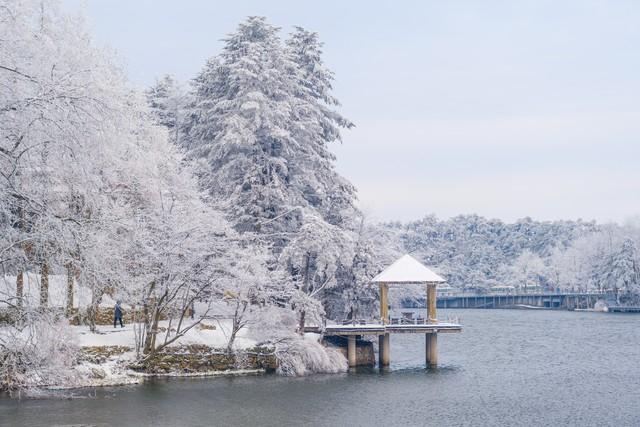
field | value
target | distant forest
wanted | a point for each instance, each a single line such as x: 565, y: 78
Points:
x: 477, y: 253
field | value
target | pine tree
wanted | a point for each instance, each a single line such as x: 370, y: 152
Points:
x: 259, y: 128
x: 316, y: 124
x: 237, y: 129
x: 167, y: 102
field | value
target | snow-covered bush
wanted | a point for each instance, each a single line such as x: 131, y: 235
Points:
x: 39, y: 352
x: 299, y: 356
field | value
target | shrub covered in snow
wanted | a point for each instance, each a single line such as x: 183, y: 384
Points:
x: 37, y: 352
x: 305, y: 355
x: 297, y: 355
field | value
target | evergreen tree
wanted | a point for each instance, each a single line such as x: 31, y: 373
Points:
x: 316, y: 124
x: 167, y: 102
x: 259, y: 127
x: 238, y: 130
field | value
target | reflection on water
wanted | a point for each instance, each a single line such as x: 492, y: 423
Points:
x: 508, y: 367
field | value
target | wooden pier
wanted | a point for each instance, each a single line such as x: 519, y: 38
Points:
x: 383, y: 331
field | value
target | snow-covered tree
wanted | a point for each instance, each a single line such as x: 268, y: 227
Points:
x: 248, y: 290
x: 621, y: 271
x: 527, y: 271
x: 475, y: 252
x: 260, y: 122
x: 354, y: 296
x: 91, y: 185
x: 315, y: 125
x: 260, y: 125
x: 312, y: 258
x: 39, y: 351
x: 167, y: 100
x: 59, y: 107
x: 237, y: 129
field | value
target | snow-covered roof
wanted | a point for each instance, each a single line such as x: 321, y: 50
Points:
x: 407, y: 270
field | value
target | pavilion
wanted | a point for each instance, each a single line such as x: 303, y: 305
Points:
x: 405, y: 271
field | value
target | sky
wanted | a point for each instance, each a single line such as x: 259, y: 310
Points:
x: 505, y: 109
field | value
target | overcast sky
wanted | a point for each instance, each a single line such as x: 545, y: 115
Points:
x: 502, y: 108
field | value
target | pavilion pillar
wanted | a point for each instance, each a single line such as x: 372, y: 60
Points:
x: 384, y: 303
x: 431, y: 303
x: 431, y: 349
x: 431, y: 340
x: 383, y: 340
x: 351, y: 350
x: 383, y: 350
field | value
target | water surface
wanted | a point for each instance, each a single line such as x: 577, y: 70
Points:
x: 508, y: 367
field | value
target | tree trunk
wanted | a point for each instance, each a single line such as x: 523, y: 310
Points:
x: 235, y: 325
x: 301, y: 322
x: 156, y: 320
x: 147, y: 340
x: 44, y: 285
x: 232, y: 338
x: 92, y: 311
x: 152, y: 332
x: 69, y: 290
x: 19, y: 289
x: 146, y: 349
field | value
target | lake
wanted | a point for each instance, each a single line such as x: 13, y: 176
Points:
x: 508, y: 367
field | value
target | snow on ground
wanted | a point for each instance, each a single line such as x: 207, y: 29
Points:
x: 312, y: 336
x: 113, y: 371
x: 110, y: 336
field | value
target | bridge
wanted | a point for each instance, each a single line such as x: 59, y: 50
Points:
x: 551, y: 300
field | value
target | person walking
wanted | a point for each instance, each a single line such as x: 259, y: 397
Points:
x: 117, y: 315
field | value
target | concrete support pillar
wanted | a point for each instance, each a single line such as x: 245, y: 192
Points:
x: 351, y: 350
x: 431, y: 349
x: 384, y: 303
x: 383, y: 350
x: 431, y: 303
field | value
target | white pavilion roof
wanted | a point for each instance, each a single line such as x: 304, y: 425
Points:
x: 407, y: 270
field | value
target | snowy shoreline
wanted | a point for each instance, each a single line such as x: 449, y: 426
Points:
x: 108, y: 359
x: 137, y: 378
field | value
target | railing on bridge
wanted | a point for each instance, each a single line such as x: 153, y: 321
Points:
x: 541, y: 299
